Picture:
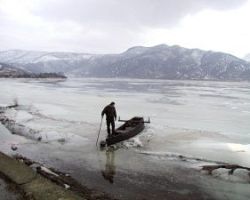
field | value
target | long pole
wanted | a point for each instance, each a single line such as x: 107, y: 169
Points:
x: 99, y: 132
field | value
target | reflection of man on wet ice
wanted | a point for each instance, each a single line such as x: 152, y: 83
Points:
x: 109, y: 171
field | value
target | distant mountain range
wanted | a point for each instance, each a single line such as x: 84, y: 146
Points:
x: 158, y: 62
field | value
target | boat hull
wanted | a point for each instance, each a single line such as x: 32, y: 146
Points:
x: 128, y: 130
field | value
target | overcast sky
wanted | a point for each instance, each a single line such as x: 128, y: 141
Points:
x: 112, y: 26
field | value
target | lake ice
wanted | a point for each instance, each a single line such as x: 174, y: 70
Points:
x: 196, y: 119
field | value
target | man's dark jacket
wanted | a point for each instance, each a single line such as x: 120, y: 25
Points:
x: 110, y: 112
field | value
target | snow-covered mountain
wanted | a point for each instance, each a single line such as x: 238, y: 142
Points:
x: 25, y: 57
x: 40, y: 61
x: 161, y: 61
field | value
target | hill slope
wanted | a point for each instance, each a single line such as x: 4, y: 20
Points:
x: 8, y: 71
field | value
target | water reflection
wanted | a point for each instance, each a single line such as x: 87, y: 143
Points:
x: 109, y: 171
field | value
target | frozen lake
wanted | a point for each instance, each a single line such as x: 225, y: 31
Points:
x: 197, y: 119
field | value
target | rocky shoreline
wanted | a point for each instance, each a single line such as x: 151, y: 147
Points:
x: 63, y: 180
x: 31, y: 184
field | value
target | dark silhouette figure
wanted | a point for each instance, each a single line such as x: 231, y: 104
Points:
x: 109, y: 171
x: 110, y: 113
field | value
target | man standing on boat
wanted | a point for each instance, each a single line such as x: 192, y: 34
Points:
x: 110, y: 113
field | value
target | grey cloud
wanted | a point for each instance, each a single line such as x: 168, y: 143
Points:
x: 103, y: 26
x: 129, y: 13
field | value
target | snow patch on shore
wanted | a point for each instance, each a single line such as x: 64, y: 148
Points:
x: 237, y: 176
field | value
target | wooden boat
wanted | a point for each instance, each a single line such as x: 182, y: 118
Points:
x: 128, y: 130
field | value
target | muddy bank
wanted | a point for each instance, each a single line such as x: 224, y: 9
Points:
x: 9, y: 191
x: 63, y: 179
x: 34, y: 186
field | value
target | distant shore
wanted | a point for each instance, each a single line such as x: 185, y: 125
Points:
x: 40, y: 75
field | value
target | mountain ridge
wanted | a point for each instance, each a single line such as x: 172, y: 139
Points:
x: 157, y: 62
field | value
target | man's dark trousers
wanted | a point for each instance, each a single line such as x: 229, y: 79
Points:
x: 112, y: 123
